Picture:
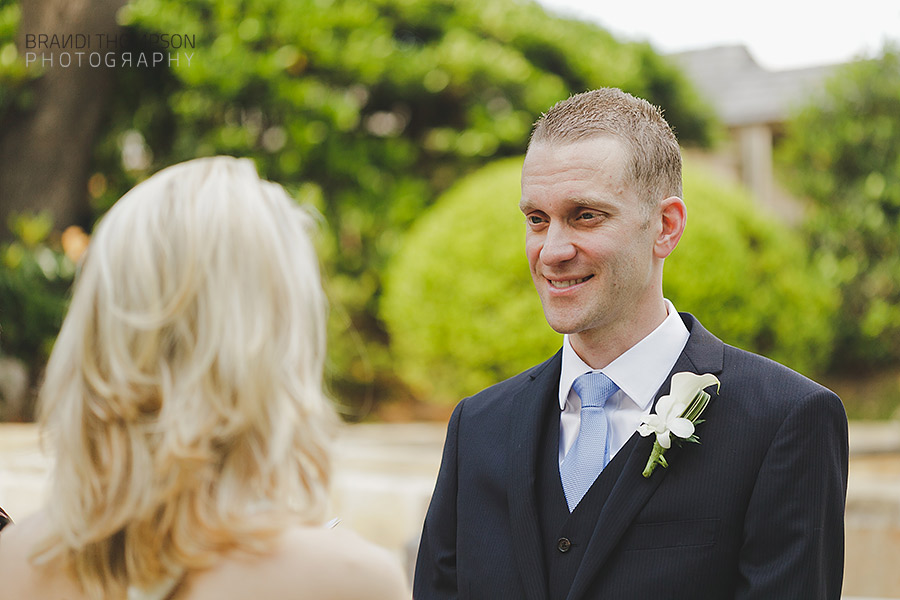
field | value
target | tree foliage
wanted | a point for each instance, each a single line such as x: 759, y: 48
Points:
x: 843, y: 152
x: 463, y: 313
x: 367, y: 109
x: 13, y: 74
x: 35, y: 276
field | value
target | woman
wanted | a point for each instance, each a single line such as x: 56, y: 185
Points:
x: 184, y: 402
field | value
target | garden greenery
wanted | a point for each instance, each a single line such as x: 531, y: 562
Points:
x: 748, y: 278
x: 35, y: 277
x: 365, y: 109
x: 842, y: 151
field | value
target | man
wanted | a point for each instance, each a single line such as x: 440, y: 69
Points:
x: 519, y: 512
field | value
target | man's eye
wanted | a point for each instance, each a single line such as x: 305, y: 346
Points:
x: 588, y: 215
x: 535, y: 220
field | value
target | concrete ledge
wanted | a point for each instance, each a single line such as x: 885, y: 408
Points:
x: 874, y: 437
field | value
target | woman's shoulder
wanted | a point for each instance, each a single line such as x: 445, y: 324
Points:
x: 306, y: 562
x: 16, y: 541
x: 20, y: 577
x: 340, y: 553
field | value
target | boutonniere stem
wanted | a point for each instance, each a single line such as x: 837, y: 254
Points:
x: 677, y: 415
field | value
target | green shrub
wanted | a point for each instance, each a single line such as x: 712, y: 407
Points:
x: 748, y: 278
x: 459, y: 303
x: 462, y: 311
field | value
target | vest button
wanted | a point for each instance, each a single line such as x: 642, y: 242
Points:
x: 563, y: 545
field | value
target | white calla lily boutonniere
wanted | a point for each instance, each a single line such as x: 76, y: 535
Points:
x: 677, y: 415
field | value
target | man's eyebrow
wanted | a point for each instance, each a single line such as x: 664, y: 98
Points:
x: 588, y: 202
x: 526, y: 205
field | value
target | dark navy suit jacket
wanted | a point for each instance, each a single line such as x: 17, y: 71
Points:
x: 754, y: 511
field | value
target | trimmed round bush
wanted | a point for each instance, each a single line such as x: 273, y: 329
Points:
x: 458, y: 300
x: 463, y: 314
x: 748, y: 277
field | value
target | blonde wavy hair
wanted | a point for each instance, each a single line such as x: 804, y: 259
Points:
x: 184, y: 395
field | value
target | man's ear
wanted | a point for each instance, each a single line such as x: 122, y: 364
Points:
x: 673, y: 216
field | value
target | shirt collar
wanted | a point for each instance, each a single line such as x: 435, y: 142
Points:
x: 641, y: 370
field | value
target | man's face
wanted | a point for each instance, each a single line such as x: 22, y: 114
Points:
x: 588, y: 240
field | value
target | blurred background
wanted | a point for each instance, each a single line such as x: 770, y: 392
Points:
x: 403, y: 123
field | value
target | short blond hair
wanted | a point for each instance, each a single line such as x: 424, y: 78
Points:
x: 184, y: 394
x: 655, y: 161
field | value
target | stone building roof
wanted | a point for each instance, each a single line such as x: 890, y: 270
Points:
x: 744, y: 93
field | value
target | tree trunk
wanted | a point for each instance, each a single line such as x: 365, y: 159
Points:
x: 45, y: 149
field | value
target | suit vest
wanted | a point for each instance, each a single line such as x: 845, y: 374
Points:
x: 565, y: 535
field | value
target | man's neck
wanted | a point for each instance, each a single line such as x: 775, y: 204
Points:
x: 599, y: 347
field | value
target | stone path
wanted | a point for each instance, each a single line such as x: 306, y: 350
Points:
x: 384, y: 475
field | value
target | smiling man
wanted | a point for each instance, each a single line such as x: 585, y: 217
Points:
x: 543, y: 492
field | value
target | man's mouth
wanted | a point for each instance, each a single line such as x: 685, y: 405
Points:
x: 565, y: 283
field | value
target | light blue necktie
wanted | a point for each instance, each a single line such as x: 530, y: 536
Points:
x: 590, y: 452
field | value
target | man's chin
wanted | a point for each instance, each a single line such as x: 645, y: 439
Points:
x: 563, y: 325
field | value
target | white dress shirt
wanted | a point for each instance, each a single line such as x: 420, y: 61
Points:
x: 639, y: 372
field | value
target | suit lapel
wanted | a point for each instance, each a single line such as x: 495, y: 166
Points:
x: 528, y: 412
x: 702, y: 354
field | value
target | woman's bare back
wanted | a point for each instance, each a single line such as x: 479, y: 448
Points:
x: 305, y: 563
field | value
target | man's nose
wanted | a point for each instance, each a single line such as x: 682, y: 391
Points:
x: 558, y: 245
